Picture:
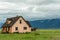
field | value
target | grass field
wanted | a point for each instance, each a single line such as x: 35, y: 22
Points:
x: 37, y: 35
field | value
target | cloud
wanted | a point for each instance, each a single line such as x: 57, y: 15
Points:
x: 30, y: 9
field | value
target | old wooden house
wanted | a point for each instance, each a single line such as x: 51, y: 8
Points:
x: 16, y: 24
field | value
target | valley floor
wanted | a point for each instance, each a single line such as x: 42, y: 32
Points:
x: 43, y: 34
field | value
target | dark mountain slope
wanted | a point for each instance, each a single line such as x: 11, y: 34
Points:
x: 46, y: 24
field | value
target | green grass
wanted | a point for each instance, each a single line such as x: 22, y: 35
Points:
x: 37, y: 35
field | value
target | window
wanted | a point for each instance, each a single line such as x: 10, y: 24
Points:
x: 25, y: 28
x: 8, y: 21
x: 8, y: 28
x: 20, y: 22
x: 16, y: 28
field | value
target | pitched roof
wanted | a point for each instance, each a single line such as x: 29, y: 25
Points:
x: 13, y: 20
x: 28, y: 24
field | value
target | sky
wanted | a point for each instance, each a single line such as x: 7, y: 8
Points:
x: 30, y: 9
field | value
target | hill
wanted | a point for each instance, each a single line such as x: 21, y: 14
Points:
x: 46, y: 24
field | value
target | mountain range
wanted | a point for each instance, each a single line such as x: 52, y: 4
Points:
x: 46, y: 24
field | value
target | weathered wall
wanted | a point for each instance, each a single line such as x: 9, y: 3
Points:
x: 21, y: 26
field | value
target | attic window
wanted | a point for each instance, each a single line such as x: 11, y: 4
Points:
x: 8, y: 22
x: 20, y: 21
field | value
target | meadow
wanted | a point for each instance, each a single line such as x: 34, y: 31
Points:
x: 41, y: 34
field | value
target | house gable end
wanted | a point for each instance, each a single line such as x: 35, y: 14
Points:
x: 20, y: 25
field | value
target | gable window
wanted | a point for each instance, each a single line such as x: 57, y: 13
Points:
x: 16, y: 28
x: 20, y: 21
x: 25, y: 28
x: 8, y: 21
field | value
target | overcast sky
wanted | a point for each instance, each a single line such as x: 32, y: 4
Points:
x: 30, y: 9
